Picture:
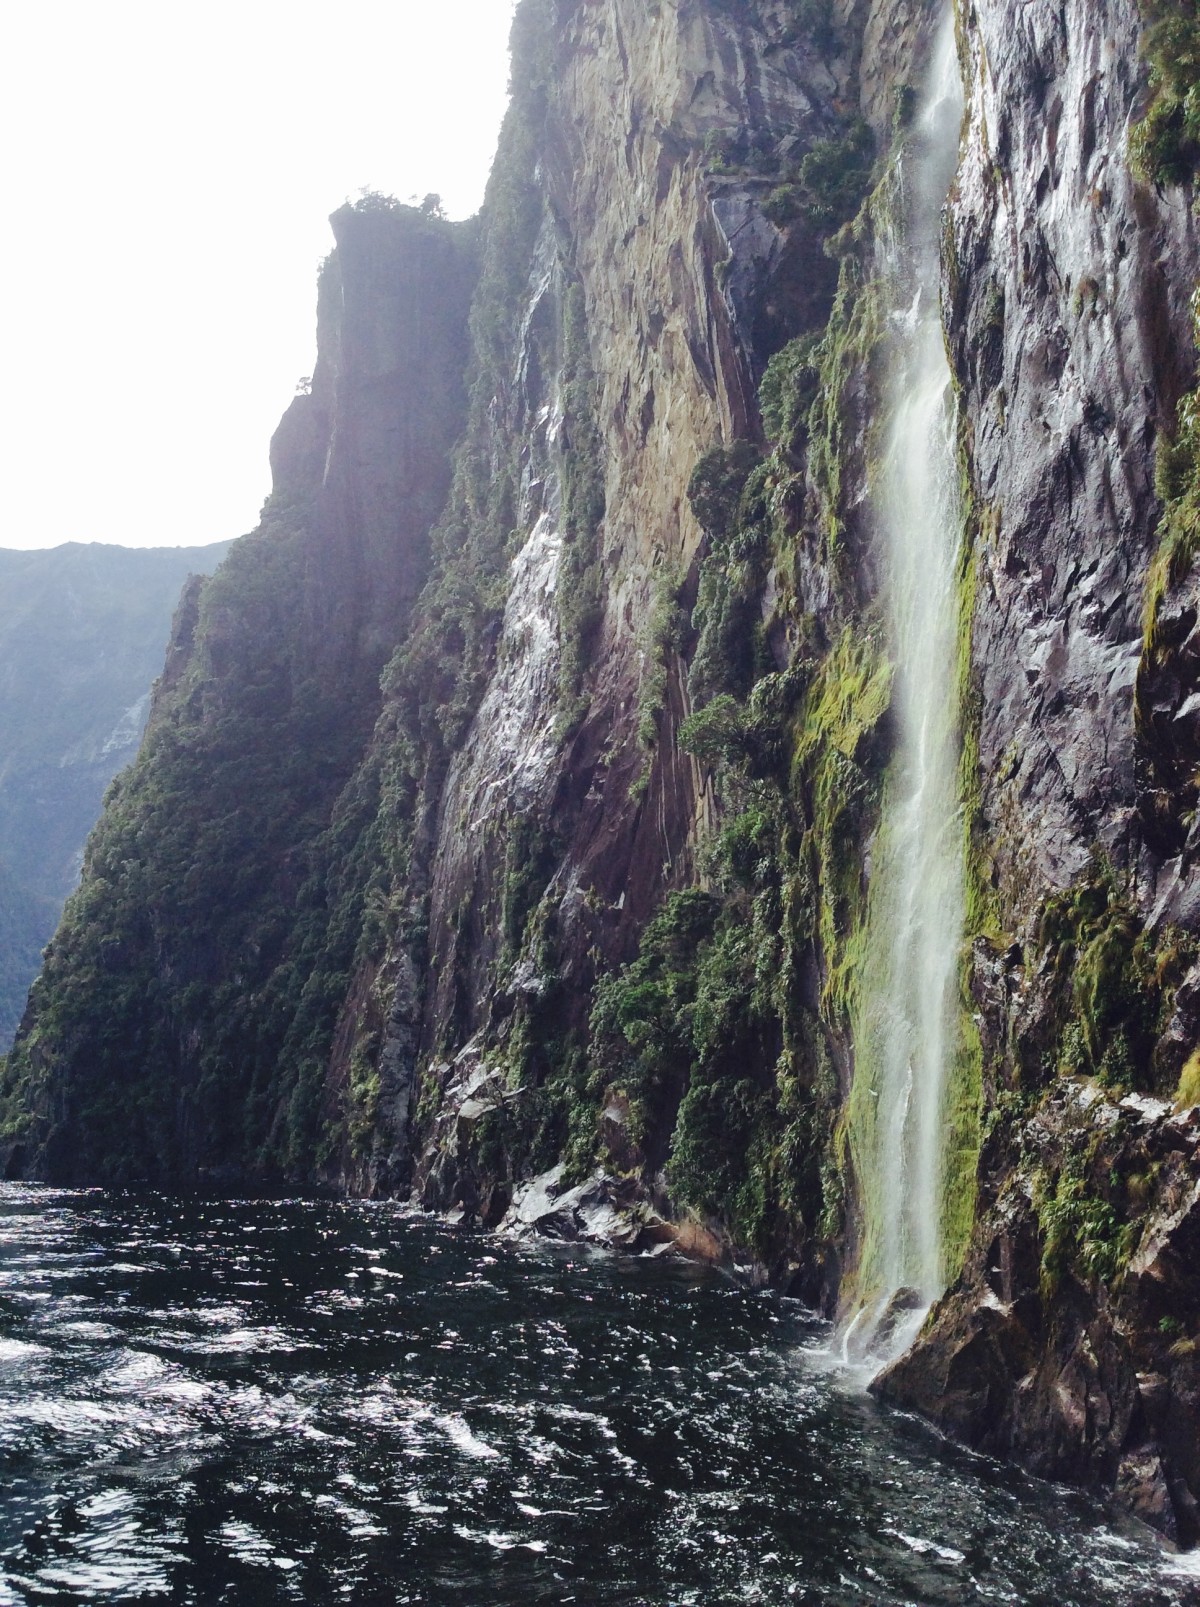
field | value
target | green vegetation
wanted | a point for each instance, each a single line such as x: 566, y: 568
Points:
x: 726, y: 491
x: 829, y: 184
x: 1084, y: 1228
x: 839, y: 761
x: 531, y: 856
x: 789, y: 388
x: 1177, y: 481
x: 661, y: 638
x: 727, y: 1077
x: 1108, y: 994
x: 1113, y: 981
x: 1165, y: 145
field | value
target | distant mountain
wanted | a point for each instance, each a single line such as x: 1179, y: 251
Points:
x: 83, y: 629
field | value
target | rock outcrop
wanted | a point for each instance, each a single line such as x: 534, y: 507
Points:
x: 1040, y: 1352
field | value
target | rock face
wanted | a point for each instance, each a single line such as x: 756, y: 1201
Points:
x: 561, y: 923
x: 1067, y: 1339
x: 82, y: 634
x: 1071, y: 335
x: 1092, y: 1379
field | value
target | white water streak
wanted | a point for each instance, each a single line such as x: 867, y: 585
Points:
x: 917, y: 903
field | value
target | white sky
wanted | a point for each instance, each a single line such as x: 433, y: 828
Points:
x: 168, y: 167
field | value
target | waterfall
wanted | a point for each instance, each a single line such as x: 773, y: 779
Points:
x: 906, y: 1032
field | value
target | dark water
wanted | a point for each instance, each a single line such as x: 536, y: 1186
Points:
x: 276, y: 1403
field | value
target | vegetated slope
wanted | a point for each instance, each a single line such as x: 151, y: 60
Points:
x: 83, y: 628
x: 591, y: 903
x: 173, y: 1028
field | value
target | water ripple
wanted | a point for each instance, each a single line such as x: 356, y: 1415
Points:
x: 274, y: 1403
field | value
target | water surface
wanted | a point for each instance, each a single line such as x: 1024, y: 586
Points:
x: 312, y: 1403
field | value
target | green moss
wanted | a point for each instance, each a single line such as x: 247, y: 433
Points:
x: 981, y: 900
x: 960, y: 1153
x: 1114, y: 983
x: 851, y: 339
x: 837, y: 763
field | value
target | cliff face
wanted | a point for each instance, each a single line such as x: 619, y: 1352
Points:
x: 569, y: 924
x: 1068, y: 1339
x: 656, y: 300
x: 201, y: 940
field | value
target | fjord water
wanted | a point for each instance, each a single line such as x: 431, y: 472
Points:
x: 313, y: 1403
x: 908, y: 1025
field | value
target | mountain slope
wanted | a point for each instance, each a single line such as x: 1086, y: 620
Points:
x: 82, y: 634
x: 202, y: 953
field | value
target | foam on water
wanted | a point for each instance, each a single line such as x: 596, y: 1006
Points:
x: 620, y: 1433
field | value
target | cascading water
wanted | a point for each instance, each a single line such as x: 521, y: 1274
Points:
x: 907, y: 1027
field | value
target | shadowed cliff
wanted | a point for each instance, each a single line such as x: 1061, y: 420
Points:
x: 194, y: 976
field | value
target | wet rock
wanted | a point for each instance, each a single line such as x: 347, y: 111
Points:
x: 602, y: 1210
x: 1142, y: 1486
x: 1093, y: 1379
x: 1074, y: 283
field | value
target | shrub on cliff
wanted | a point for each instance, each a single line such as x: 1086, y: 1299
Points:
x: 829, y: 183
x: 1165, y: 145
x: 788, y: 390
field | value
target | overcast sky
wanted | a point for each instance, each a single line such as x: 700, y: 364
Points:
x: 168, y: 170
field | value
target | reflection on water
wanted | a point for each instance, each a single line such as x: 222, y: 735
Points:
x: 274, y: 1403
